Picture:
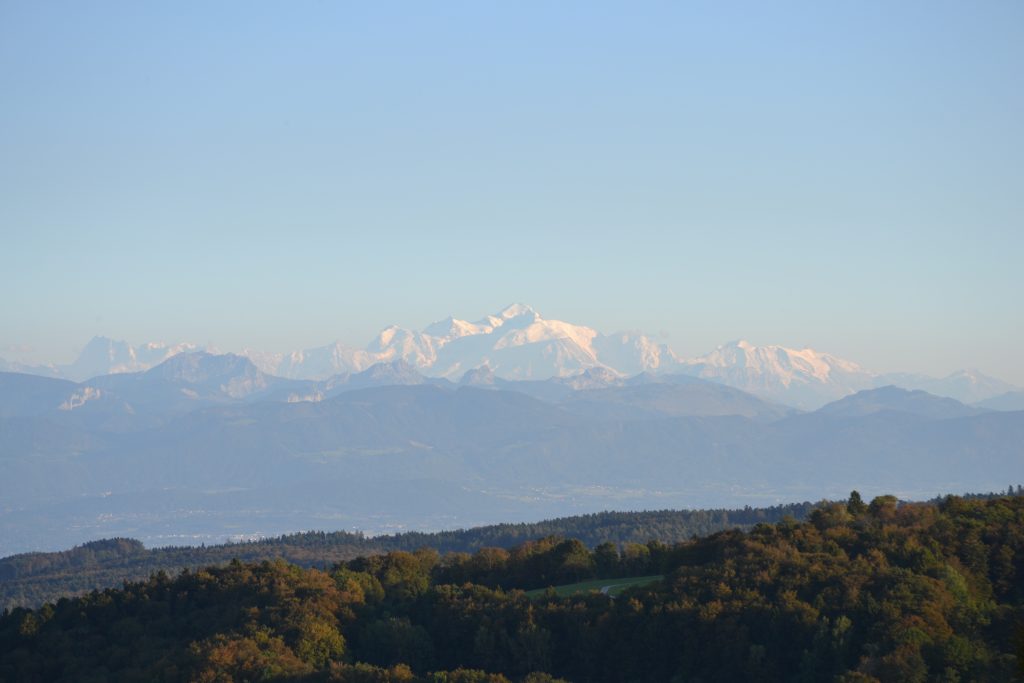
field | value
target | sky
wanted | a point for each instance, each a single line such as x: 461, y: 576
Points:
x: 845, y: 175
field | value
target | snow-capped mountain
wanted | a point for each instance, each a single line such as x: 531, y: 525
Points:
x: 104, y: 356
x: 804, y: 378
x: 514, y: 343
x: 517, y: 343
x: 632, y: 353
x: 316, y: 363
x: 809, y: 379
x: 966, y: 386
x: 397, y: 343
x: 27, y: 369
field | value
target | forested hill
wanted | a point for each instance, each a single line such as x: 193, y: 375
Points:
x: 31, y: 579
x: 857, y: 593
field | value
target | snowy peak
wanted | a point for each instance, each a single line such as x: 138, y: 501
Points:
x: 105, y: 356
x: 802, y: 377
x: 27, y: 369
x: 517, y: 314
x: 970, y: 386
x: 529, y: 330
x: 398, y: 343
x: 784, y: 364
x: 317, y: 363
x: 966, y: 386
x: 518, y: 310
x: 518, y: 343
x: 452, y: 328
x: 808, y: 379
x: 515, y: 343
x: 632, y: 353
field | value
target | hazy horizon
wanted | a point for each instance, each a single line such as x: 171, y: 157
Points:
x: 27, y: 356
x: 841, y: 177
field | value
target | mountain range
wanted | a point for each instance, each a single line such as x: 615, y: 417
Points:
x: 517, y: 343
x: 204, y: 447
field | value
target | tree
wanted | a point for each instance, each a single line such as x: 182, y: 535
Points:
x: 606, y: 560
x: 855, y: 505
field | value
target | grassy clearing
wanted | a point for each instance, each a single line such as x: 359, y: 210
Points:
x: 614, y: 586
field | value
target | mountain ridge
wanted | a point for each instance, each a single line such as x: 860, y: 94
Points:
x: 517, y: 343
x: 438, y: 454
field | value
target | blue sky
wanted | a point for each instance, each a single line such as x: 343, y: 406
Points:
x: 845, y: 175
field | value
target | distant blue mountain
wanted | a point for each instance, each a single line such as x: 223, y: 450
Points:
x: 207, y: 447
x: 891, y: 398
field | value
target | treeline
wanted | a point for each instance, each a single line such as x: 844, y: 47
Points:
x: 859, y: 592
x: 30, y: 579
